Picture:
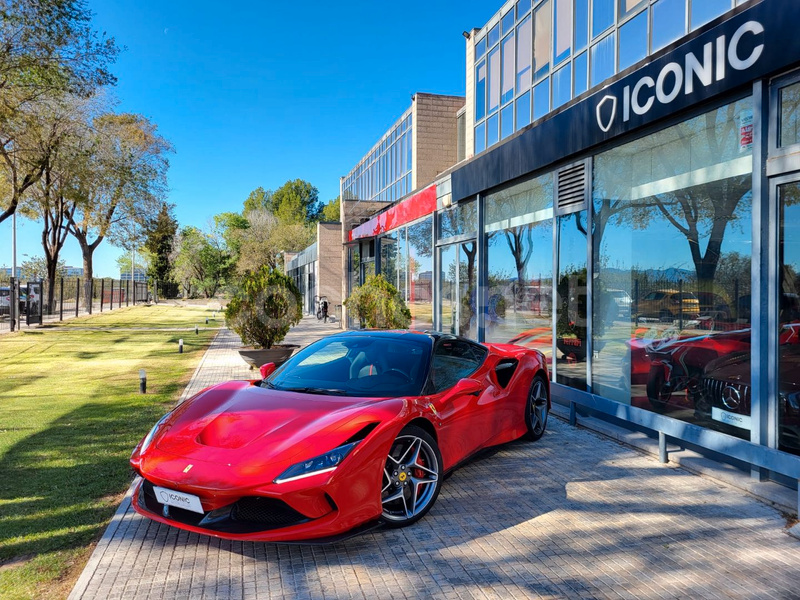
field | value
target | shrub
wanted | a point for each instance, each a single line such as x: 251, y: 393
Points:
x: 378, y: 305
x: 264, y: 308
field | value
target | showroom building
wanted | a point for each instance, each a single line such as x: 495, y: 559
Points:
x: 630, y: 206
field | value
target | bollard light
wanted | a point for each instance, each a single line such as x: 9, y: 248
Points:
x: 142, y: 381
x: 196, y: 330
x: 206, y: 320
x: 180, y: 346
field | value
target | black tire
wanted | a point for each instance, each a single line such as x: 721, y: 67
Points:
x: 537, y: 408
x: 658, y: 393
x: 425, y: 477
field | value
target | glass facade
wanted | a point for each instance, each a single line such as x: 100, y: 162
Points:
x: 384, y: 175
x: 668, y: 326
x: 576, y: 43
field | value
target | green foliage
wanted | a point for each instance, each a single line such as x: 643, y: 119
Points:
x: 160, y: 235
x: 264, y: 309
x: 330, y: 212
x: 378, y: 305
x: 258, y: 198
x: 201, y: 261
x: 36, y: 268
x: 295, y: 202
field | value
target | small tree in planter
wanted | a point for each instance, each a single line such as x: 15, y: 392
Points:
x: 378, y: 305
x: 263, y: 310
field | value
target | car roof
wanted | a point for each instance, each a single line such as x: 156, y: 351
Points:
x: 433, y: 336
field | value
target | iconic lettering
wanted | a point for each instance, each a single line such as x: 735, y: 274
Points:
x: 675, y: 78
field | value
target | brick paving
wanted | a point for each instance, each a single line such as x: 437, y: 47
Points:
x: 574, y: 515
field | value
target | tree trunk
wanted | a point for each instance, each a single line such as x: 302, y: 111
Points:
x: 88, y: 257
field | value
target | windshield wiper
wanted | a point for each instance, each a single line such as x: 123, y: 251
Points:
x: 317, y: 390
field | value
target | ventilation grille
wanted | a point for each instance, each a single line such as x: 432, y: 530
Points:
x: 505, y: 370
x: 572, y: 188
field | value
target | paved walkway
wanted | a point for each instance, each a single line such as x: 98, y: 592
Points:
x: 574, y: 515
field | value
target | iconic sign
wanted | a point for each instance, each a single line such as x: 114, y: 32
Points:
x: 676, y: 77
x: 752, y: 44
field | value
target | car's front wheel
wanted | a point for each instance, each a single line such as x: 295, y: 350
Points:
x: 412, y: 477
x: 536, y: 410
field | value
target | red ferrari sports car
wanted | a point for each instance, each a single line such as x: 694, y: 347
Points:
x: 355, y: 430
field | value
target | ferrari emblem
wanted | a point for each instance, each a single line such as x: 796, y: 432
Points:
x: 402, y: 476
x: 188, y: 468
x: 432, y: 407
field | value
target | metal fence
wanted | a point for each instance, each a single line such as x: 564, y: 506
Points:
x: 28, y: 303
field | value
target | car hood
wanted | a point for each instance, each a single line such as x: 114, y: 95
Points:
x: 240, y: 422
x: 735, y: 367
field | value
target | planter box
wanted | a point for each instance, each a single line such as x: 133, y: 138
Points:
x: 277, y: 354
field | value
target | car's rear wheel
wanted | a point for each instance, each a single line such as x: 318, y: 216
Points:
x: 412, y: 477
x: 536, y: 410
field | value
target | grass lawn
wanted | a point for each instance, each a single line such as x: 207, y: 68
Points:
x: 70, y: 415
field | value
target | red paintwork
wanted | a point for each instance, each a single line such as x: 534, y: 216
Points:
x: 412, y: 208
x: 239, y: 437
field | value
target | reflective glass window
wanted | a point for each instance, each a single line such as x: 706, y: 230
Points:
x: 789, y: 318
x: 480, y: 138
x: 602, y: 16
x: 581, y: 24
x: 571, y: 301
x: 480, y: 48
x: 507, y: 22
x: 461, y: 219
x: 506, y: 121
x: 789, y: 127
x: 633, y: 41
x: 626, y: 7
x: 389, y: 257
x: 480, y: 91
x: 669, y: 22
x: 492, y: 130
x: 541, y: 99
x: 602, y: 60
x: 519, y: 241
x: 494, y: 36
x: 508, y: 74
x: 581, y: 67
x: 493, y: 78
x: 562, y: 33
x: 467, y: 290
x: 447, y: 297
x: 671, y: 330
x: 705, y: 11
x: 523, y: 110
x: 453, y: 360
x: 541, y: 40
x: 524, y: 48
x: 562, y: 86
x: 420, y: 274
x: 523, y: 6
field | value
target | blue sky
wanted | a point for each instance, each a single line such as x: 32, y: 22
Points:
x: 256, y: 93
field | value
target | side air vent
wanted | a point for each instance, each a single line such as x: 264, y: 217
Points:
x: 571, y: 188
x: 505, y: 370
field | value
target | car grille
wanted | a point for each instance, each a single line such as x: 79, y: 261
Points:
x: 248, y: 514
x: 715, y: 390
x: 270, y: 512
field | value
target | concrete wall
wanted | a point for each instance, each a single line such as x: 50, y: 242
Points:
x: 329, y: 263
x: 435, y: 136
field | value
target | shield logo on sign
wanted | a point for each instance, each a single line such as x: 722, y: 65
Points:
x: 606, y: 112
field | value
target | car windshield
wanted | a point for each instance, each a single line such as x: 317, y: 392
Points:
x: 361, y: 366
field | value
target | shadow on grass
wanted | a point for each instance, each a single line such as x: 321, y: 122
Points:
x: 70, y: 475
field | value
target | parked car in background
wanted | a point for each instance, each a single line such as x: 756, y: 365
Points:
x: 623, y: 301
x: 668, y: 305
x: 713, y: 305
x: 727, y: 391
x: 5, y: 301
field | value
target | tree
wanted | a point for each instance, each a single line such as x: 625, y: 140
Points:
x: 331, y: 211
x: 258, y: 198
x: 160, y: 235
x: 141, y: 259
x: 49, y: 50
x: 294, y: 202
x: 123, y: 185
x: 35, y: 268
x: 378, y: 304
x: 200, y: 260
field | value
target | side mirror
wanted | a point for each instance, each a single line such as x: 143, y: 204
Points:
x: 266, y: 370
x: 466, y: 387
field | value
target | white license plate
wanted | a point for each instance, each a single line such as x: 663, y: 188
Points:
x: 178, y: 499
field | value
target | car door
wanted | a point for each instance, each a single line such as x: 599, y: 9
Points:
x: 461, y: 432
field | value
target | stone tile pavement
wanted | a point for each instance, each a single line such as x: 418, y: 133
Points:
x: 574, y: 515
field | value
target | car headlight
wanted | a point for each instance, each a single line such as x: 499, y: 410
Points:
x: 152, y: 433
x: 314, y: 466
